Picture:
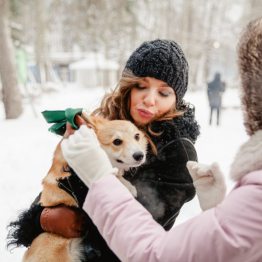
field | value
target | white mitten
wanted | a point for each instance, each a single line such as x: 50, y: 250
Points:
x: 83, y: 153
x: 209, y: 183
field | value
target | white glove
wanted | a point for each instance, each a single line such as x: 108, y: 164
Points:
x: 209, y: 183
x: 83, y: 153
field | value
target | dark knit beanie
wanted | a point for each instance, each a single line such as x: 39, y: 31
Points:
x: 163, y: 60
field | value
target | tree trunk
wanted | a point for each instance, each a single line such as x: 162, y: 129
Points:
x: 12, y: 98
x: 41, y: 49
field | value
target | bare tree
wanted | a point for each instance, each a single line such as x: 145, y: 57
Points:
x: 41, y: 48
x: 11, y: 94
x: 205, y: 29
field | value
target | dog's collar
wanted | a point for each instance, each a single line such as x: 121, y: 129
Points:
x: 60, y: 117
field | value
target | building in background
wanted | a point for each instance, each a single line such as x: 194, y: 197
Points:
x: 94, y: 70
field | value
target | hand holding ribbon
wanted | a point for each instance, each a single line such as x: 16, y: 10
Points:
x: 61, y: 117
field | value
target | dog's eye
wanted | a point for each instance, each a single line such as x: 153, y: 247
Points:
x: 117, y: 142
x: 137, y: 137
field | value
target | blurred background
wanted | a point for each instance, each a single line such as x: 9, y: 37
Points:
x: 57, y: 54
x: 47, y: 43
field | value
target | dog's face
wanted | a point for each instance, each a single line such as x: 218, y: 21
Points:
x: 123, y: 142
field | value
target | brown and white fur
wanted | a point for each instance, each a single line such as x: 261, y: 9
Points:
x: 126, y: 147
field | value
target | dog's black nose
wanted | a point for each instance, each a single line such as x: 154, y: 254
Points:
x: 138, y: 156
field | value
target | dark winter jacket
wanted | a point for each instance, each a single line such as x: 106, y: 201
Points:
x: 215, y: 91
x: 163, y: 182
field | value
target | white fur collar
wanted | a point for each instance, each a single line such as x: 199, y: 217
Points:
x: 248, y: 158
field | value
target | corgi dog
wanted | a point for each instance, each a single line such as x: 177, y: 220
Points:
x: 125, y: 146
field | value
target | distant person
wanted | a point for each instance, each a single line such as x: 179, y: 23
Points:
x: 215, y: 90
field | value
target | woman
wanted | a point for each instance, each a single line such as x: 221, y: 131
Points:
x: 229, y: 232
x: 150, y: 94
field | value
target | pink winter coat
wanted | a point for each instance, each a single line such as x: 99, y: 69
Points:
x: 232, y: 231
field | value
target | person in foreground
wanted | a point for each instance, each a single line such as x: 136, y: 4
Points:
x: 150, y: 94
x: 230, y: 231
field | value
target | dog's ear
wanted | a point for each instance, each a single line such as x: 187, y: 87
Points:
x: 94, y: 121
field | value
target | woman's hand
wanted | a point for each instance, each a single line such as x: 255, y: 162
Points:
x: 83, y: 153
x: 65, y: 221
x: 70, y: 130
x: 209, y: 183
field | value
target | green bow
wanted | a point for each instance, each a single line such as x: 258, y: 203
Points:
x: 60, y: 117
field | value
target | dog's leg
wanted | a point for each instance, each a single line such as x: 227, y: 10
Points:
x: 53, y: 248
x: 128, y: 185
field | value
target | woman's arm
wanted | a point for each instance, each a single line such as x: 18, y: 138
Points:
x: 65, y: 221
x: 230, y: 232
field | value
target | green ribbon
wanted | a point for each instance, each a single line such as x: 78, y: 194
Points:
x: 60, y: 118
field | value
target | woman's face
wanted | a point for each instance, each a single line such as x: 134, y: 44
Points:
x: 150, y: 99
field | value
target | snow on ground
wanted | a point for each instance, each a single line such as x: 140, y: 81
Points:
x: 27, y: 146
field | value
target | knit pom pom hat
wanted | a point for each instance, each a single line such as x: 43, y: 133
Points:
x: 163, y: 60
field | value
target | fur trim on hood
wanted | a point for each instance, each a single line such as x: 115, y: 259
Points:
x: 248, y: 158
x: 250, y: 66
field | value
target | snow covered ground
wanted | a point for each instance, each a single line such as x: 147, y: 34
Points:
x: 27, y: 146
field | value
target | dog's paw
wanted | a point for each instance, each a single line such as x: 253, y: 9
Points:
x: 128, y: 185
x: 133, y: 190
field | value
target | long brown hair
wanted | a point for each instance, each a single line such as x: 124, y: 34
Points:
x: 116, y: 105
